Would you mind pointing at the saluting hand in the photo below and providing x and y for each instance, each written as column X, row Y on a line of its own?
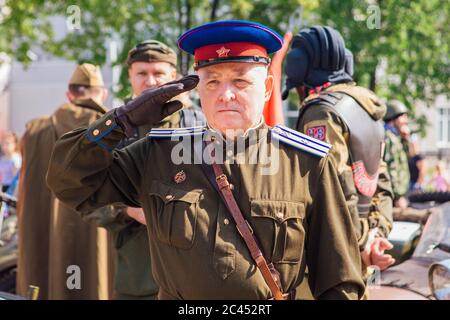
column 152, row 105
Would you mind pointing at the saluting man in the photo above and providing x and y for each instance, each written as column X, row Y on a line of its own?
column 220, row 229
column 151, row 63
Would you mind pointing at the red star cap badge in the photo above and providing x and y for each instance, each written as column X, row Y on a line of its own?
column 222, row 52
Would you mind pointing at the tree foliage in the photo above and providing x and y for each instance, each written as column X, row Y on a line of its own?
column 406, row 57
column 400, row 46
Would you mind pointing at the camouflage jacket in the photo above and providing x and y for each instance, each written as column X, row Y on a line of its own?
column 396, row 158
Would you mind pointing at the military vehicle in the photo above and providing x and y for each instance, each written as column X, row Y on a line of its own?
column 426, row 274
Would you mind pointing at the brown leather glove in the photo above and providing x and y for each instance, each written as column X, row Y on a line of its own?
column 152, row 106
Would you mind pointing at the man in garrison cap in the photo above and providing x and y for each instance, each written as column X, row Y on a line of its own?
column 235, row 209
column 151, row 63
column 66, row 257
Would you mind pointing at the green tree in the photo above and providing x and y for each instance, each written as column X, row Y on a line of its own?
column 406, row 55
column 26, row 25
column 400, row 46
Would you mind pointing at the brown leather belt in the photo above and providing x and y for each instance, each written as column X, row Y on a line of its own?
column 163, row 295
column 268, row 271
column 287, row 296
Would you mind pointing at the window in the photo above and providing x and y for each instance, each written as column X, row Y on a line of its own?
column 291, row 110
column 290, row 115
column 443, row 127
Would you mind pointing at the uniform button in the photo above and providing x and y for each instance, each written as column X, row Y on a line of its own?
column 108, row 122
column 230, row 153
column 280, row 215
column 231, row 186
column 226, row 221
column 96, row 132
column 169, row 197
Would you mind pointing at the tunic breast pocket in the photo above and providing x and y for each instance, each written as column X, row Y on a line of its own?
column 174, row 217
column 278, row 225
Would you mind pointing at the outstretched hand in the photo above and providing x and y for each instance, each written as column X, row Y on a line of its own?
column 374, row 254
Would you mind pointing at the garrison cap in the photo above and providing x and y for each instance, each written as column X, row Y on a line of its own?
column 230, row 41
column 152, row 51
column 88, row 75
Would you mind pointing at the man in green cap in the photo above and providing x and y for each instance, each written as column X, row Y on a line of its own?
column 64, row 256
column 234, row 210
column 396, row 151
column 150, row 64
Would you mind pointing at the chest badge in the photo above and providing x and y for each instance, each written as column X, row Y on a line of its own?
column 180, row 177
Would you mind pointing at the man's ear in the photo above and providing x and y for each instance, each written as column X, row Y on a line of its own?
column 105, row 95
column 174, row 74
column 301, row 91
column 269, row 87
column 70, row 96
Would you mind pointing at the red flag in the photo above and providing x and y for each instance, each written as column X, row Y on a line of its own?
column 273, row 110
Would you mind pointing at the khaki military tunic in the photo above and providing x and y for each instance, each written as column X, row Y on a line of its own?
column 54, row 242
column 337, row 134
column 133, row 277
column 298, row 214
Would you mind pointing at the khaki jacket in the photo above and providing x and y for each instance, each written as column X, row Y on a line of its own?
column 52, row 236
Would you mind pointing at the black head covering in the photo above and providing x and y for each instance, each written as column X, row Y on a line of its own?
column 317, row 55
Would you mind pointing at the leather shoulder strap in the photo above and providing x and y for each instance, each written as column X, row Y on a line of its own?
column 326, row 98
column 270, row 275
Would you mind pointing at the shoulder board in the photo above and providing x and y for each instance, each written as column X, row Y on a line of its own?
column 175, row 132
column 300, row 141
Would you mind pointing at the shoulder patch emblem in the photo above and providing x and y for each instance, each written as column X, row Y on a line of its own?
column 300, row 141
column 364, row 182
column 175, row 132
column 319, row 132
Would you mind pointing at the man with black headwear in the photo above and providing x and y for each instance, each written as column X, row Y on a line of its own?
column 336, row 110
